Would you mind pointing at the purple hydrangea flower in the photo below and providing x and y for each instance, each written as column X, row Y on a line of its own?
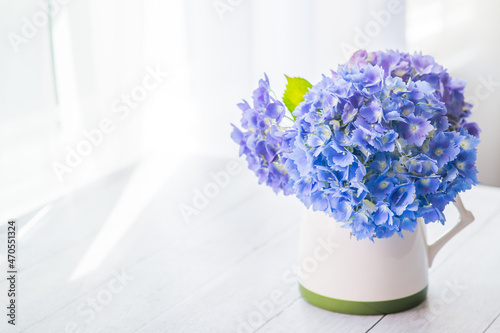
column 415, row 130
column 423, row 67
column 263, row 140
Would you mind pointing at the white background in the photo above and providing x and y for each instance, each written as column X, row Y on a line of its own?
column 65, row 79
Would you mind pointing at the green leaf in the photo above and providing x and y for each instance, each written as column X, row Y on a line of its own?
column 295, row 90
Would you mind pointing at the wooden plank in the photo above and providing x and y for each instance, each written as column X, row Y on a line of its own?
column 303, row 317
column 72, row 218
column 81, row 214
column 183, row 259
column 494, row 326
column 247, row 296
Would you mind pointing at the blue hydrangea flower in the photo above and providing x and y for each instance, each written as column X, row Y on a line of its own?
column 383, row 215
column 430, row 213
column 427, row 185
column 442, row 148
column 402, row 196
column 381, row 142
column 465, row 164
column 381, row 187
column 386, row 142
column 421, row 165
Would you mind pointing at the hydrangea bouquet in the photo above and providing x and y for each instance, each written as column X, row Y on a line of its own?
column 377, row 144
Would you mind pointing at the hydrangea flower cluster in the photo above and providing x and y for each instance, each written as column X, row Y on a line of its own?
column 423, row 67
column 262, row 140
column 380, row 143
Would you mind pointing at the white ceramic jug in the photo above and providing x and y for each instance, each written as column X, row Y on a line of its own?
column 342, row 274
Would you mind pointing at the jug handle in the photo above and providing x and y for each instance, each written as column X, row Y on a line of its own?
column 466, row 218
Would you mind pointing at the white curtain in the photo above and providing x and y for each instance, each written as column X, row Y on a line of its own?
column 463, row 36
column 28, row 120
column 76, row 71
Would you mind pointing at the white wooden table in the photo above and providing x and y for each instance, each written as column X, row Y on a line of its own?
column 118, row 256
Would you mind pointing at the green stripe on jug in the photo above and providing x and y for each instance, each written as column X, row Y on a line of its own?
column 363, row 308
